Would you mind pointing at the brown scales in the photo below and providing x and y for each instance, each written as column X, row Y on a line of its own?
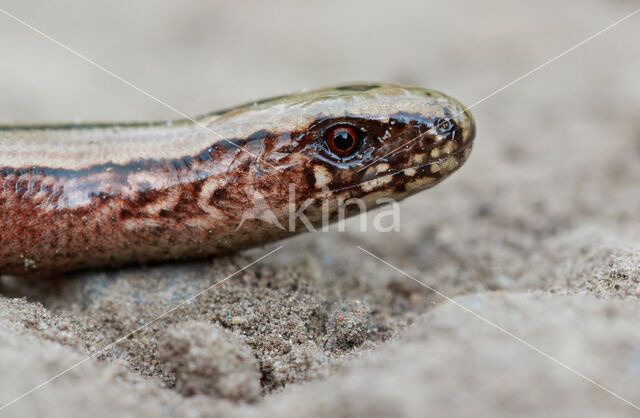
column 107, row 215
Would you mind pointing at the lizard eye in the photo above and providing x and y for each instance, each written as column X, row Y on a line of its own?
column 343, row 141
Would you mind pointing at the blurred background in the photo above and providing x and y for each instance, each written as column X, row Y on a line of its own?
column 547, row 203
column 200, row 55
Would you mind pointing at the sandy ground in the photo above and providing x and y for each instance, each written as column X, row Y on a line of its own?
column 539, row 233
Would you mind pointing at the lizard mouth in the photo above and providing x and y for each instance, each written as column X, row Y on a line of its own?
column 436, row 170
column 443, row 161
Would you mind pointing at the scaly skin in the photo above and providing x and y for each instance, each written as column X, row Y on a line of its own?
column 106, row 195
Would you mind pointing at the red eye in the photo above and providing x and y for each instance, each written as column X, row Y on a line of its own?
column 342, row 141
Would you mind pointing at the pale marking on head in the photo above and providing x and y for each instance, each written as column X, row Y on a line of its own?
column 382, row 167
column 435, row 153
column 448, row 147
column 410, row 172
column 322, row 176
column 375, row 183
column 450, row 164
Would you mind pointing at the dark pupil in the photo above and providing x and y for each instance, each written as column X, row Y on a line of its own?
column 342, row 140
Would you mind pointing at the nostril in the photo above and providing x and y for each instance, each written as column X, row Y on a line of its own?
column 444, row 125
